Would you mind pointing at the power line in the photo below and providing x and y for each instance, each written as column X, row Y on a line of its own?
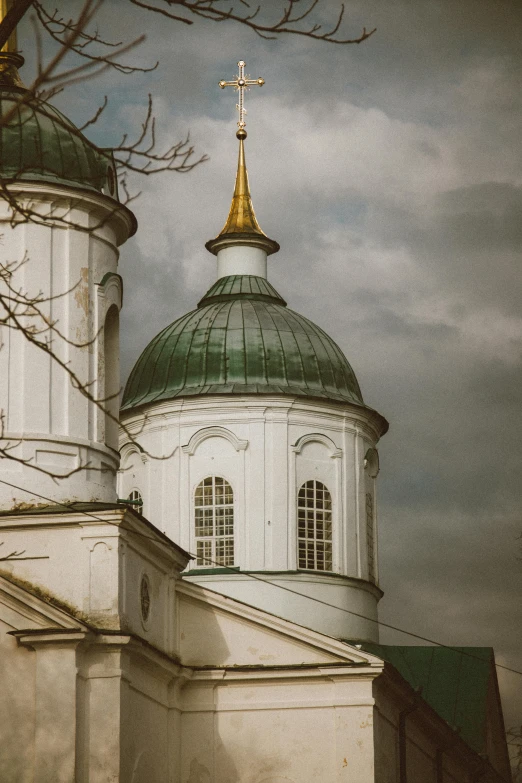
column 251, row 575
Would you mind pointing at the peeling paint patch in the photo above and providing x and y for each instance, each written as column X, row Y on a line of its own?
column 81, row 293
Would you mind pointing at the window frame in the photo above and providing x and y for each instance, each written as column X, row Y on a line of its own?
column 215, row 549
column 320, row 513
column 136, row 491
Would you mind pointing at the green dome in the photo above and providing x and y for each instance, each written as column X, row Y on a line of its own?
column 241, row 339
column 39, row 144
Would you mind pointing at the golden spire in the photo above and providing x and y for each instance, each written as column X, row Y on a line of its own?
column 10, row 60
column 241, row 217
column 12, row 43
column 242, row 227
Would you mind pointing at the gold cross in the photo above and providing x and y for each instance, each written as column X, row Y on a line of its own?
column 241, row 83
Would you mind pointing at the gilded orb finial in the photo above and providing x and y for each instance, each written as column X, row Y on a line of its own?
column 241, row 83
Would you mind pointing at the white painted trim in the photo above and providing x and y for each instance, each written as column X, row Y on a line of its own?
column 116, row 215
column 132, row 448
column 110, row 292
column 317, row 437
column 213, row 432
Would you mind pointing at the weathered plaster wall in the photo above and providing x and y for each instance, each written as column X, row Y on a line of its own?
column 271, row 727
column 17, row 704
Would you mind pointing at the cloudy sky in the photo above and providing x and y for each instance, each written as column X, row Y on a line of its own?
column 391, row 175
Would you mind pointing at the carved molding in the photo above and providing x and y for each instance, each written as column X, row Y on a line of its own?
column 110, row 289
column 213, row 432
column 132, row 448
column 317, row 437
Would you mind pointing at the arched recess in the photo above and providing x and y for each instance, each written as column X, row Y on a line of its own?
column 316, row 457
column 130, row 448
column 371, row 469
column 317, row 437
column 110, row 290
column 133, row 472
column 111, row 395
column 213, row 432
column 371, row 462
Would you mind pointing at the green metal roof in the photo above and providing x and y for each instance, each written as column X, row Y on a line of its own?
column 242, row 339
column 39, row 144
column 243, row 286
column 453, row 681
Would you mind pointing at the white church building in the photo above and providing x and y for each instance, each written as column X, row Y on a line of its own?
column 219, row 625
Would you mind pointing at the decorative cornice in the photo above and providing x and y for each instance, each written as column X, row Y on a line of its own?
column 72, row 197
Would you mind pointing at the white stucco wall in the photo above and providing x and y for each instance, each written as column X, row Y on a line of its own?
column 95, row 562
column 70, row 262
column 275, row 728
column 266, row 448
column 247, row 698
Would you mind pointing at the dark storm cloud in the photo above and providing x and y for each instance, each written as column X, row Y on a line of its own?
column 390, row 173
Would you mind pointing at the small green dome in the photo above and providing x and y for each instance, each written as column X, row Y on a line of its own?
column 241, row 339
column 39, row 144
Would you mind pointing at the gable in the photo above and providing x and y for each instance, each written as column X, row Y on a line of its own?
column 216, row 631
column 24, row 606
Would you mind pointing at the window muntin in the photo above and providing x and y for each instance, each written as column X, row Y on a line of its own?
column 137, row 499
column 314, row 527
column 370, row 543
column 214, row 522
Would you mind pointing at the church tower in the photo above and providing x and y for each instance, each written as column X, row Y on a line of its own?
column 270, row 452
column 60, row 227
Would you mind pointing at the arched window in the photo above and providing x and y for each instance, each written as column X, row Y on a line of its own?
column 111, row 336
column 136, row 499
column 369, row 536
column 214, row 522
column 314, row 527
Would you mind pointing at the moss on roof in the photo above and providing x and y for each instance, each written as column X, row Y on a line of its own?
column 49, row 598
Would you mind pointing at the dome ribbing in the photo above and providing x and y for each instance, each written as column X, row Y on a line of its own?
column 40, row 144
column 242, row 339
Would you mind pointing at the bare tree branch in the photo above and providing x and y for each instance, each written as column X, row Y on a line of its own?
column 25, row 312
column 216, row 11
